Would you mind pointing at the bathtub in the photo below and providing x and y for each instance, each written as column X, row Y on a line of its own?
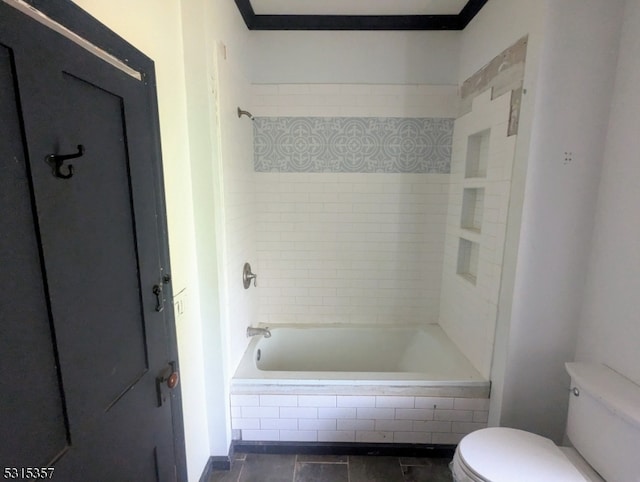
column 356, row 354
column 356, row 383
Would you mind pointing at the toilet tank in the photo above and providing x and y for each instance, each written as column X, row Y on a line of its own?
column 604, row 420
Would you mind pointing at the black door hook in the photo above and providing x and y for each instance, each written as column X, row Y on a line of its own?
column 56, row 161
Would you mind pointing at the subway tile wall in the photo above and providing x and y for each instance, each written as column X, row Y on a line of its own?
column 356, row 418
column 354, row 100
column 351, row 247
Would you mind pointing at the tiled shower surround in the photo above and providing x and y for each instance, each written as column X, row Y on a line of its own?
column 349, row 418
column 351, row 201
column 352, row 197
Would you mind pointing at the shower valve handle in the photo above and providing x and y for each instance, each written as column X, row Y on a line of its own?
column 247, row 276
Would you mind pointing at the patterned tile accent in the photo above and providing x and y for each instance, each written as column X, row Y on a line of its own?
column 352, row 144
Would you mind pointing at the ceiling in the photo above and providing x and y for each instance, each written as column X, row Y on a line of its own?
column 358, row 14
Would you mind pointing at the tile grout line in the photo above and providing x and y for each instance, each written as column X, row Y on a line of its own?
column 241, row 469
column 325, row 463
column 295, row 468
column 401, row 471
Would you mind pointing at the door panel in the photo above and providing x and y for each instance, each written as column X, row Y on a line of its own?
column 100, row 251
column 95, row 253
column 34, row 413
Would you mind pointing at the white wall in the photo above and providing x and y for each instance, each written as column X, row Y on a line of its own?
column 221, row 148
column 565, row 109
column 366, row 57
column 575, row 78
column 610, row 323
column 202, row 122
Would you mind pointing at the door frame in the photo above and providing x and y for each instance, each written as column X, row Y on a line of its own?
column 74, row 18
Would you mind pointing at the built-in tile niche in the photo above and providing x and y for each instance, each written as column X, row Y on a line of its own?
column 472, row 214
column 484, row 156
column 477, row 155
column 468, row 253
column 472, row 209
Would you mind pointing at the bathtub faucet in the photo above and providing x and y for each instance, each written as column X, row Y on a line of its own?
column 251, row 331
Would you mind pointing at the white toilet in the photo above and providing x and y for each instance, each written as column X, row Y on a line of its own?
column 603, row 427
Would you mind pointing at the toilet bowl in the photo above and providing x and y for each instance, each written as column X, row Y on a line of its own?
column 603, row 427
column 508, row 455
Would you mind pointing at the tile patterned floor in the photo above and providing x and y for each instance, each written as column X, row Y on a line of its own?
column 333, row 468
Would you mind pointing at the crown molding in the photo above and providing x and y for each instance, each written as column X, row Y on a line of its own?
column 359, row 22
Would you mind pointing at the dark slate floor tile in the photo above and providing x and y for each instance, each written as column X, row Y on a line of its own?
column 227, row 475
column 315, row 472
column 267, row 468
column 334, row 459
column 374, row 469
column 426, row 473
column 426, row 461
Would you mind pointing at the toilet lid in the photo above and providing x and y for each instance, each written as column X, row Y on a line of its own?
column 505, row 454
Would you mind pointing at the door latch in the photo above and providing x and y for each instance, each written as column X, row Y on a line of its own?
column 158, row 291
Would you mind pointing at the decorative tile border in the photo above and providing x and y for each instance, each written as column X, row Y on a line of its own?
column 352, row 144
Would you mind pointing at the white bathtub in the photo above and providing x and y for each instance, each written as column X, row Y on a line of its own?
column 356, row 354
column 356, row 384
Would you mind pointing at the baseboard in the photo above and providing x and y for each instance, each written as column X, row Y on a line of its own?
column 344, row 448
column 222, row 462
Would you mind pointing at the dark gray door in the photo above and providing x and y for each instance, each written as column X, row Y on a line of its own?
column 83, row 347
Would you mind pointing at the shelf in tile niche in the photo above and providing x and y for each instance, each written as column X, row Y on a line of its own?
column 472, row 209
column 477, row 155
column 468, row 253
